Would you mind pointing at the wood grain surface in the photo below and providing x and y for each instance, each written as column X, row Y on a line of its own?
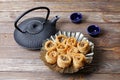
column 17, row 63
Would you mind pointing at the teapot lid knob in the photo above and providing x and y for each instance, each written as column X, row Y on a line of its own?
column 34, row 26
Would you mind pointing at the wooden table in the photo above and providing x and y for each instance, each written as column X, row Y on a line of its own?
column 17, row 63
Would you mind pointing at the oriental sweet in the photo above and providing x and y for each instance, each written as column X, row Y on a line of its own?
column 66, row 52
column 61, row 38
column 49, row 45
column 78, row 60
column 51, row 57
column 83, row 46
column 63, row 61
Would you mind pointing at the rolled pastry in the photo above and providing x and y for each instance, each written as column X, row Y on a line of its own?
column 61, row 48
column 70, row 41
column 72, row 50
column 51, row 57
column 83, row 46
column 49, row 45
column 61, row 38
column 63, row 61
column 78, row 60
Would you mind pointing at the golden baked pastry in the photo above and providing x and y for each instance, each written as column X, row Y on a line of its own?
column 78, row 60
column 83, row 46
column 61, row 38
column 51, row 57
column 61, row 48
column 66, row 52
column 72, row 50
column 70, row 41
column 63, row 61
column 49, row 45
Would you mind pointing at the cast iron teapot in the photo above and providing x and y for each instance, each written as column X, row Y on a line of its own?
column 32, row 32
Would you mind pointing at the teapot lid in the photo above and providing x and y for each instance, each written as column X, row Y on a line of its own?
column 29, row 33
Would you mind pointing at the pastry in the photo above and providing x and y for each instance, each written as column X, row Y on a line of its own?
column 49, row 45
column 61, row 48
column 61, row 38
column 51, row 57
column 83, row 46
column 70, row 41
column 72, row 50
column 78, row 60
column 66, row 51
column 63, row 61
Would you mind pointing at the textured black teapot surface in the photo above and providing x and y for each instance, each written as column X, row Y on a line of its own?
column 33, row 31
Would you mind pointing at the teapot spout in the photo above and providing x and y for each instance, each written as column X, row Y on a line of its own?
column 53, row 21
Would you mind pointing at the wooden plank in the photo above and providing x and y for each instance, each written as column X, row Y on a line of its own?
column 68, row 26
column 82, row 27
column 106, row 41
column 105, row 35
column 96, row 17
column 64, row 0
column 55, row 6
column 78, row 0
column 36, row 65
column 22, row 65
column 103, row 77
column 64, row 16
column 4, row 40
column 18, row 53
column 56, row 76
column 111, row 17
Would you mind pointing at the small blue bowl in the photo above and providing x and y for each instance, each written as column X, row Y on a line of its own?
column 93, row 30
column 76, row 17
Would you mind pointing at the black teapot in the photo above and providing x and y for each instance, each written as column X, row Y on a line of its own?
column 32, row 32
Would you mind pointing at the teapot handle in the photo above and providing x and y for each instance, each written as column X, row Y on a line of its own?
column 48, row 12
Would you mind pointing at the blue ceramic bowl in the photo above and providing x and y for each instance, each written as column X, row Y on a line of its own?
column 93, row 30
column 76, row 17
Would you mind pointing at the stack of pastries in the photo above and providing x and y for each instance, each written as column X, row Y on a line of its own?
column 66, row 51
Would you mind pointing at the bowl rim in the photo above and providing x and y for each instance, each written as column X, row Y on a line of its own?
column 96, row 26
column 74, row 13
